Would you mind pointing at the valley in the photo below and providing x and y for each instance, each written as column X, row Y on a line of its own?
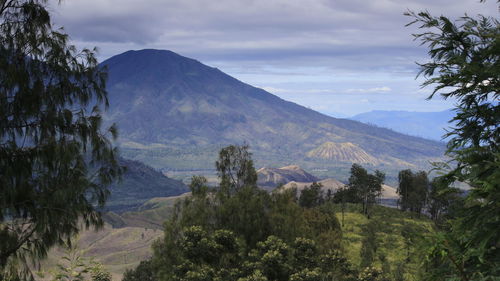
column 192, row 111
column 211, row 140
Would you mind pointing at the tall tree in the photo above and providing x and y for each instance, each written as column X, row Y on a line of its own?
column 364, row 186
column 235, row 168
column 311, row 196
column 464, row 65
column 405, row 178
column 421, row 187
column 413, row 189
column 442, row 199
column 55, row 160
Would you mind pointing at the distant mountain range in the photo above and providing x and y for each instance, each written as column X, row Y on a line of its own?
column 175, row 112
column 430, row 125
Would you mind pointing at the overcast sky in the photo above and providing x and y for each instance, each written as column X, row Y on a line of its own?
column 340, row 57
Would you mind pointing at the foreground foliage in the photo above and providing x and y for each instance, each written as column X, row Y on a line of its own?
column 465, row 65
column 75, row 267
column 237, row 231
column 248, row 234
column 55, row 161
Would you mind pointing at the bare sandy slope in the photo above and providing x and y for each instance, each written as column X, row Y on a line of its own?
column 116, row 248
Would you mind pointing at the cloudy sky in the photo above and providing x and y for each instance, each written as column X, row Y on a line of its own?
column 340, row 57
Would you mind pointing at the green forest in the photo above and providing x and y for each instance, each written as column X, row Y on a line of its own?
column 58, row 160
column 237, row 231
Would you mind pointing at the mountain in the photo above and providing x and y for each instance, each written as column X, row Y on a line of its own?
column 430, row 125
column 140, row 183
column 272, row 177
column 174, row 112
column 342, row 152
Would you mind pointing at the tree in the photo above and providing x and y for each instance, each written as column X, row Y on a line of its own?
column 235, row 168
column 442, row 200
column 421, row 187
column 413, row 189
column 464, row 65
column 342, row 196
column 143, row 272
column 311, row 196
column 405, row 178
column 55, row 160
column 75, row 267
column 198, row 186
column 365, row 187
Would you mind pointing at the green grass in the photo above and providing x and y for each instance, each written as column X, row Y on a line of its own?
column 390, row 242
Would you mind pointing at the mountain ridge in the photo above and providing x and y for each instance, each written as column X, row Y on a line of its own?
column 159, row 98
column 429, row 125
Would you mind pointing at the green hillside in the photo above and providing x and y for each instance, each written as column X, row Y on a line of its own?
column 393, row 248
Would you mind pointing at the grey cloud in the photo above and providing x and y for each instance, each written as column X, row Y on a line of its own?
column 264, row 40
column 253, row 29
column 254, row 20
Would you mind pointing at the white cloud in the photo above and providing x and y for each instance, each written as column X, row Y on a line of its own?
column 383, row 89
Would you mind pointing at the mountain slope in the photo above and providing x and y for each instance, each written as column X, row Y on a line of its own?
column 173, row 112
column 343, row 152
column 431, row 125
column 139, row 184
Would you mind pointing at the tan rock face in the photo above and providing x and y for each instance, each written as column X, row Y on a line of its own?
column 327, row 184
column 276, row 176
column 342, row 152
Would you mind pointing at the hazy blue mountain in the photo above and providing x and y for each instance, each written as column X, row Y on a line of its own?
column 175, row 112
column 430, row 125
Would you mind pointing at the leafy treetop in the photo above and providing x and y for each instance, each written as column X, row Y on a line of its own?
column 55, row 160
